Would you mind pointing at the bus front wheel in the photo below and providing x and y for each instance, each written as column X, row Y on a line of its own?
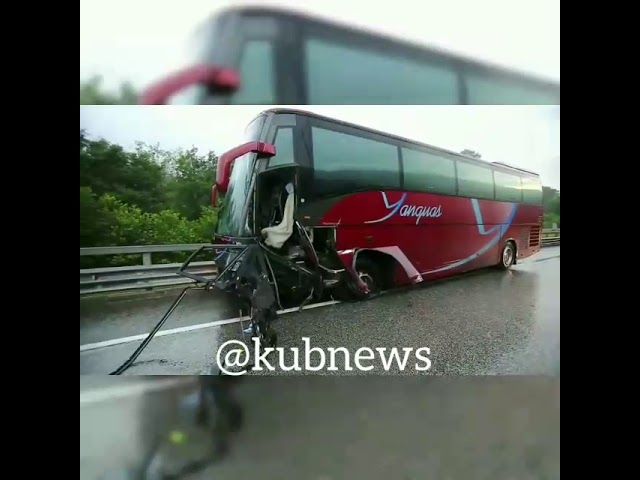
column 507, row 256
column 370, row 273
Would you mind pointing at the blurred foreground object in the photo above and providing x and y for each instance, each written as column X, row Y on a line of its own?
column 201, row 436
column 495, row 427
column 153, row 427
column 271, row 56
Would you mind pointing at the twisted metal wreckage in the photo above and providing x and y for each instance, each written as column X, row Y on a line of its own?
column 246, row 272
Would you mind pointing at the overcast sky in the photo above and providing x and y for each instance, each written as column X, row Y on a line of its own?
column 139, row 40
column 523, row 136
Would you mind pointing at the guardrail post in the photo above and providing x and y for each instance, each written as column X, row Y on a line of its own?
column 146, row 258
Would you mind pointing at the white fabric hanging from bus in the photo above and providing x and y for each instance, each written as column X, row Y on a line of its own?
column 278, row 234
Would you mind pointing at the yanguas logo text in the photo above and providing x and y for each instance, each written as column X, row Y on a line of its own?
column 409, row 210
column 420, row 211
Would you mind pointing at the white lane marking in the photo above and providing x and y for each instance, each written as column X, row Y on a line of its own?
column 189, row 328
column 133, row 389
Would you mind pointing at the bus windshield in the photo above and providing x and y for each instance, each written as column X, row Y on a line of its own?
column 231, row 220
column 233, row 212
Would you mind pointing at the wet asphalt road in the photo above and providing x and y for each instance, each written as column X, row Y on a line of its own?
column 326, row 428
column 485, row 322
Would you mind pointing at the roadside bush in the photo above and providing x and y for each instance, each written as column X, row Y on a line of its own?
column 106, row 221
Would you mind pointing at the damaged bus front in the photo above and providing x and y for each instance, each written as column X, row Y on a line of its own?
column 264, row 256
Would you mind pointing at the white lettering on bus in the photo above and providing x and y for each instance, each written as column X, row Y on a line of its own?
column 420, row 211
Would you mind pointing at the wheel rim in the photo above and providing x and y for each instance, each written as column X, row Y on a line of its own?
column 507, row 256
column 368, row 280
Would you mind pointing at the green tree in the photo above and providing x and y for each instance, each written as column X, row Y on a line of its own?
column 548, row 194
column 92, row 93
column 191, row 178
column 146, row 196
column 133, row 177
column 551, row 206
column 554, row 205
column 95, row 220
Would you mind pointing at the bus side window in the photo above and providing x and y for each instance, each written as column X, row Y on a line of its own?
column 484, row 90
column 508, row 187
column 257, row 74
column 531, row 190
column 284, row 148
column 428, row 172
column 345, row 163
column 475, row 181
column 342, row 74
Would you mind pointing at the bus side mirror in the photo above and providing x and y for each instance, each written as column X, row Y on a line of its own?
column 219, row 80
column 264, row 150
column 227, row 159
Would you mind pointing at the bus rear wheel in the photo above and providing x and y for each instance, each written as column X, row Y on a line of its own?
column 507, row 256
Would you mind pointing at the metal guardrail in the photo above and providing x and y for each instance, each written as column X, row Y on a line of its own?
column 550, row 237
column 145, row 276
column 145, row 250
column 150, row 275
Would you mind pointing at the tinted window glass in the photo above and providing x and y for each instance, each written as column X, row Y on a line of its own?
column 475, row 181
column 531, row 190
column 340, row 74
column 346, row 163
column 253, row 131
column 231, row 218
column 284, row 148
column 256, row 74
column 508, row 188
column 490, row 91
column 428, row 172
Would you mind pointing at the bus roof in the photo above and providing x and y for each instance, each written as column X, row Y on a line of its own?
column 374, row 36
column 495, row 165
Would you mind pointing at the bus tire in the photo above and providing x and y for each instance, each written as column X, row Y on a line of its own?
column 370, row 273
column 507, row 256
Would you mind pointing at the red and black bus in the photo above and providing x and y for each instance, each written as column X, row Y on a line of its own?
column 266, row 56
column 357, row 211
